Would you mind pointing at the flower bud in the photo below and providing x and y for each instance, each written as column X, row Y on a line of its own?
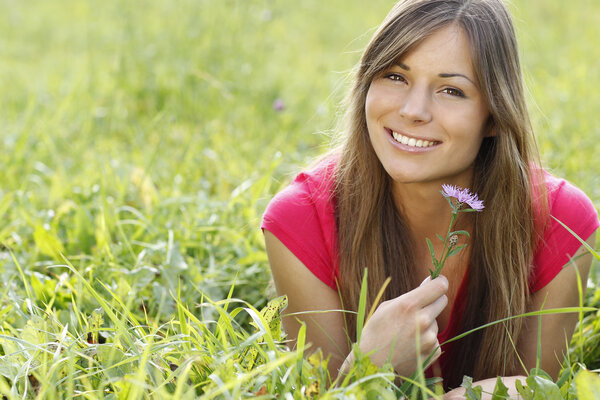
column 453, row 241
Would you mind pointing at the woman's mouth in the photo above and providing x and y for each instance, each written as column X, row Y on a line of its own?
column 412, row 142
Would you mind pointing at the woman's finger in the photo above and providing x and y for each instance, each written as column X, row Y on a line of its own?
column 435, row 350
column 434, row 309
column 427, row 293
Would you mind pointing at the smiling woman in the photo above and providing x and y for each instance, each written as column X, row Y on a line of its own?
column 437, row 99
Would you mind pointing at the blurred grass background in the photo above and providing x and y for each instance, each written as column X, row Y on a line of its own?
column 175, row 87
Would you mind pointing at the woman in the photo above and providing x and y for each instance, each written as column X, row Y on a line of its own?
column 437, row 99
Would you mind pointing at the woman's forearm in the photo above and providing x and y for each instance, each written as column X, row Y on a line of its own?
column 488, row 386
column 346, row 365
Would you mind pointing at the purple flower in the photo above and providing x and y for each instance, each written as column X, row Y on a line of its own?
column 463, row 196
column 278, row 105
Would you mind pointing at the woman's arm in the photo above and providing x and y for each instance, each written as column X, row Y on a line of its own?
column 306, row 292
column 556, row 329
column 389, row 335
column 487, row 388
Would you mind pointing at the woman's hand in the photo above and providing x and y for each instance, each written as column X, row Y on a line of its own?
column 391, row 333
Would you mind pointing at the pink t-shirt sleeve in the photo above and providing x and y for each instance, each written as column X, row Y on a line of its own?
column 301, row 216
column 572, row 207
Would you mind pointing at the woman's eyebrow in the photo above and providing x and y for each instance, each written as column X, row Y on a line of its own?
column 441, row 75
column 452, row 75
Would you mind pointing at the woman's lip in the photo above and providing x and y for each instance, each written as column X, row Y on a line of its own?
column 412, row 149
column 411, row 136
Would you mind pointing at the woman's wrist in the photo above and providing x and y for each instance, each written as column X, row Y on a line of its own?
column 347, row 364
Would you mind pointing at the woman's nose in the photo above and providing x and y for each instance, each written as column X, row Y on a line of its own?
column 415, row 106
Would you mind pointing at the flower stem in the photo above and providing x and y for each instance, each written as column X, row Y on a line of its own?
column 446, row 249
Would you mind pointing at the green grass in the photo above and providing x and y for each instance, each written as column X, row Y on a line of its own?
column 139, row 140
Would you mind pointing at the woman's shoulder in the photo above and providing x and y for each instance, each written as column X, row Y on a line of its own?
column 567, row 200
column 306, row 206
column 321, row 175
column 313, row 187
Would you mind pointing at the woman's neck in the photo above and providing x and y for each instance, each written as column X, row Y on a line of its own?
column 425, row 210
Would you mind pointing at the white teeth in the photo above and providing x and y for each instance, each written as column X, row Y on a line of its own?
column 412, row 142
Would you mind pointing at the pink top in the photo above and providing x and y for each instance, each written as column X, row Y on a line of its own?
column 302, row 217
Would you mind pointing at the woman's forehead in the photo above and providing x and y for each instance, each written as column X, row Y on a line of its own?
column 445, row 48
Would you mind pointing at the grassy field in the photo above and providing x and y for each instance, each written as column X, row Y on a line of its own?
column 142, row 140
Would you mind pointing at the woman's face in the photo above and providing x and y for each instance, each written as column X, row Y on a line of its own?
column 426, row 114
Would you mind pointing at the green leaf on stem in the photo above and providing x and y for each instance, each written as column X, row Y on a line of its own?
column 500, row 390
column 543, row 388
column 587, row 384
column 471, row 393
column 460, row 233
column 456, row 249
column 431, row 250
column 540, row 372
column 524, row 391
column 564, row 376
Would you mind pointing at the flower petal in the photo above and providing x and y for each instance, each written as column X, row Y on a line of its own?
column 463, row 196
column 450, row 191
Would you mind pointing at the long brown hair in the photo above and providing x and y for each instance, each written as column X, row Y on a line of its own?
column 373, row 233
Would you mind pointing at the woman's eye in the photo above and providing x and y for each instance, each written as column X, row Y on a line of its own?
column 396, row 77
column 454, row 92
